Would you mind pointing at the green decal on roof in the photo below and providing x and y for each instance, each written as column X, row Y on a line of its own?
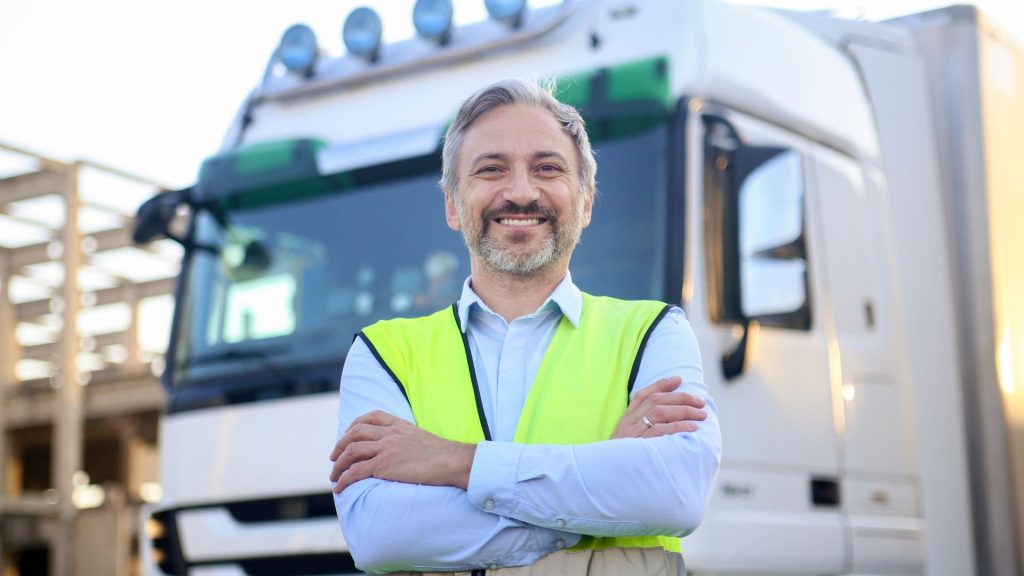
column 268, row 156
column 573, row 90
column 619, row 100
column 642, row 80
column 263, row 174
column 638, row 81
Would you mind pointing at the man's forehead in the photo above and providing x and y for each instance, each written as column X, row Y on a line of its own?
column 511, row 126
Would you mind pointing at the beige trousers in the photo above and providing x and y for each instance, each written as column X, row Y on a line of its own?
column 610, row 562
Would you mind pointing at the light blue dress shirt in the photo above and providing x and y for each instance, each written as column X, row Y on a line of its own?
column 525, row 502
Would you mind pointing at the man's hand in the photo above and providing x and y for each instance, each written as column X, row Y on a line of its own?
column 379, row 445
column 667, row 412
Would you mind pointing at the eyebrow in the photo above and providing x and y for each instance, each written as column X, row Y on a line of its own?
column 504, row 157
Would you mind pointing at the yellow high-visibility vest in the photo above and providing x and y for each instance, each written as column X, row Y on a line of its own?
column 580, row 393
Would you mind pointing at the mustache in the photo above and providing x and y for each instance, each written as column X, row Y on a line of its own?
column 512, row 209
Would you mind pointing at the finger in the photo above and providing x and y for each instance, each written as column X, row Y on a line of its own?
column 670, row 399
column 664, row 385
column 652, row 402
column 630, row 425
column 376, row 418
column 667, row 428
column 338, row 448
column 678, row 399
column 366, row 432
column 641, row 402
column 691, row 400
column 662, row 414
column 357, row 432
column 353, row 454
column 357, row 472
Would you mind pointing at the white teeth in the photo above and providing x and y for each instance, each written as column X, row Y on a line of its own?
column 519, row 222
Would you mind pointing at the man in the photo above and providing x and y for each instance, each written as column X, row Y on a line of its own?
column 524, row 457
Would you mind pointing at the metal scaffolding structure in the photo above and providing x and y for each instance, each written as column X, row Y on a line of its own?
column 79, row 393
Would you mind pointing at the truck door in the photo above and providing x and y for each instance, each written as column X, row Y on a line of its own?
column 880, row 478
column 755, row 299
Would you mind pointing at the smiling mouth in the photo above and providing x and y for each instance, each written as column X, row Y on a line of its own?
column 505, row 221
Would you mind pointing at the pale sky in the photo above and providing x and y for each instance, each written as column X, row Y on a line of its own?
column 150, row 87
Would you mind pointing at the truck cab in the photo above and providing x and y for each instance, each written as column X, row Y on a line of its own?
column 747, row 172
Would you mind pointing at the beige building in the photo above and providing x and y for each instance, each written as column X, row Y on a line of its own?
column 84, row 319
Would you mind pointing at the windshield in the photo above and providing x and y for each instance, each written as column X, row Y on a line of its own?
column 291, row 283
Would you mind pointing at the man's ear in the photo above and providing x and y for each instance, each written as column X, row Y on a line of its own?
column 451, row 212
column 588, row 207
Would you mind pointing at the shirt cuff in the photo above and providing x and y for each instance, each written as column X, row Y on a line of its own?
column 492, row 480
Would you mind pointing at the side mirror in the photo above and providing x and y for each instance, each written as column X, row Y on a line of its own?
column 153, row 219
column 755, row 236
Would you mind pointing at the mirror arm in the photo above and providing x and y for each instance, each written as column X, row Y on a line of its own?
column 734, row 362
column 189, row 246
column 155, row 214
column 792, row 250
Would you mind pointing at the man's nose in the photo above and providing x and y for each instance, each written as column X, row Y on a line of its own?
column 521, row 189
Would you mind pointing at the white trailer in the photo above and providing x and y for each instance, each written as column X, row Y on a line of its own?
column 833, row 203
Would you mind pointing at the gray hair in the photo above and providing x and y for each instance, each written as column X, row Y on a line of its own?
column 508, row 92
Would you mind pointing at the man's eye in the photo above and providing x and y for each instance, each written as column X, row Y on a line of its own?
column 550, row 168
column 489, row 170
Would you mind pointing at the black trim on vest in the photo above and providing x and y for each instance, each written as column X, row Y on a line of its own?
column 472, row 374
column 383, row 365
column 640, row 352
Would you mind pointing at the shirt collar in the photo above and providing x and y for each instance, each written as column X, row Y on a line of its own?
column 566, row 297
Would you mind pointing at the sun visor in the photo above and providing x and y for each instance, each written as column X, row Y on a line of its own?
column 346, row 157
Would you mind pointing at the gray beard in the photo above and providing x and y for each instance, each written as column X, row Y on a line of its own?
column 497, row 257
column 564, row 238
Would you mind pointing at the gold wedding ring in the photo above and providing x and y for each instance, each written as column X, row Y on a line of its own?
column 647, row 422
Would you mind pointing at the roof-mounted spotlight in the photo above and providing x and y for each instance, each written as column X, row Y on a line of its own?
column 433, row 19
column 362, row 33
column 298, row 50
column 508, row 12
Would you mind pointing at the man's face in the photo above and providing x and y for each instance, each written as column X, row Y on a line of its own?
column 520, row 205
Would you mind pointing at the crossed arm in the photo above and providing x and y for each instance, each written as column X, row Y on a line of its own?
column 410, row 500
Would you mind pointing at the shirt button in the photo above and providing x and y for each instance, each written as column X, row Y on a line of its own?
column 559, row 544
column 560, row 523
column 489, row 504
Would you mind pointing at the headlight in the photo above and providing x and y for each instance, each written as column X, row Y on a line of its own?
column 362, row 33
column 298, row 49
column 508, row 12
column 433, row 19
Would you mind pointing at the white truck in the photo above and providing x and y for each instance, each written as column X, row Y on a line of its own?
column 835, row 204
